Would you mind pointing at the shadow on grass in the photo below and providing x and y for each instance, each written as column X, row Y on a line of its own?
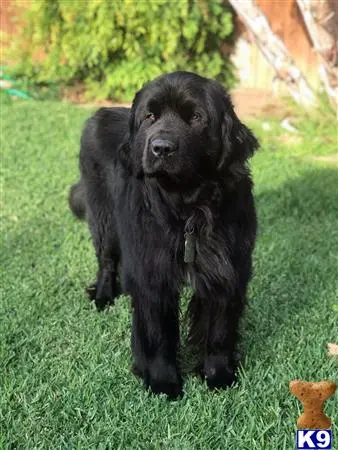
column 295, row 258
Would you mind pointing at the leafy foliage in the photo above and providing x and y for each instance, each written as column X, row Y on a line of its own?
column 115, row 46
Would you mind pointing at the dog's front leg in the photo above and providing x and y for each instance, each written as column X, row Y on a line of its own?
column 216, row 315
column 155, row 337
column 220, row 362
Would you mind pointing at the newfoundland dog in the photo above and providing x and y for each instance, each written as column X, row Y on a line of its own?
column 167, row 194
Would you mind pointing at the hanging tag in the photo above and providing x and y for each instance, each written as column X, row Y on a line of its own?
column 189, row 247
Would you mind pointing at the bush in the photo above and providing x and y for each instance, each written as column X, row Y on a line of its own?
column 114, row 46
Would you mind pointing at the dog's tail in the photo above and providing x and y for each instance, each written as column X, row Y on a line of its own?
column 77, row 200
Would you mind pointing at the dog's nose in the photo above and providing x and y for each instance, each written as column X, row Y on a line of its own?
column 162, row 147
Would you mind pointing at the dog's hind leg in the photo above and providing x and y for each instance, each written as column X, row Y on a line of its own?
column 102, row 226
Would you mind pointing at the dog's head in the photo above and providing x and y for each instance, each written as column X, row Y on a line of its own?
column 183, row 127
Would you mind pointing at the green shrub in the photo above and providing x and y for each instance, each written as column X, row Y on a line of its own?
column 114, row 46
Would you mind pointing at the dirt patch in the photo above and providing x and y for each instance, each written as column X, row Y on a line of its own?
column 290, row 139
column 248, row 103
column 332, row 159
column 252, row 103
column 104, row 103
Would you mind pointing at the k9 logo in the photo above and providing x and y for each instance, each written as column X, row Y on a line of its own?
column 314, row 439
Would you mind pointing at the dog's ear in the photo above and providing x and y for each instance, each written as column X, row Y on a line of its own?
column 130, row 156
column 238, row 142
column 244, row 141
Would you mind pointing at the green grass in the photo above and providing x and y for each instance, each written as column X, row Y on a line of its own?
column 65, row 379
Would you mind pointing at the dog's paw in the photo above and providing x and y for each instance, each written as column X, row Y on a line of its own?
column 172, row 389
column 136, row 370
column 219, row 374
column 164, row 378
column 102, row 294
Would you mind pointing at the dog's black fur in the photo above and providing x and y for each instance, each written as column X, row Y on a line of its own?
column 173, row 164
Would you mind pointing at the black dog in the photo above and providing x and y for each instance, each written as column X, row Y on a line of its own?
column 166, row 192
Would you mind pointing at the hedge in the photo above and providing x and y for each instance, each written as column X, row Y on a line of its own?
column 113, row 47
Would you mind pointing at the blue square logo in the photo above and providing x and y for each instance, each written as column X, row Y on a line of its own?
column 314, row 439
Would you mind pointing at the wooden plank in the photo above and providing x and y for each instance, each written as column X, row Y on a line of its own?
column 274, row 50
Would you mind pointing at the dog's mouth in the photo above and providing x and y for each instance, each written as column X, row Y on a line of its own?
column 159, row 166
column 173, row 182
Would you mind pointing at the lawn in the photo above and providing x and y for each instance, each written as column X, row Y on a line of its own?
column 65, row 380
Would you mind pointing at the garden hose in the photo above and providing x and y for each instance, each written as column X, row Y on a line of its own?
column 10, row 90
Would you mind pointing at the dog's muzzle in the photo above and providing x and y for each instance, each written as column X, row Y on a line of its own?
column 162, row 148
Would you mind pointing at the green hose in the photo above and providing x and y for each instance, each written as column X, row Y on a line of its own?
column 17, row 93
column 12, row 91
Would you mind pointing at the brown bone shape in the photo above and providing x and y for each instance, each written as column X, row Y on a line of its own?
column 313, row 395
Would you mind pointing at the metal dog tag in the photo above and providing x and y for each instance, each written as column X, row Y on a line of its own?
column 189, row 247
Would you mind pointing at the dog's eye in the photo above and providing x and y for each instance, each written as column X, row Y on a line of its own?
column 151, row 116
column 196, row 116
